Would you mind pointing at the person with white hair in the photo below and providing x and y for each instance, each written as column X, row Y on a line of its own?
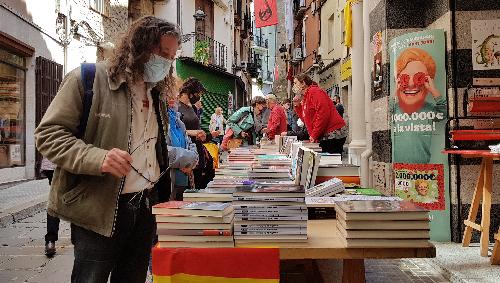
column 216, row 126
column 277, row 119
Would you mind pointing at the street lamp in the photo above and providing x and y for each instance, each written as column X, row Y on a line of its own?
column 284, row 56
column 199, row 17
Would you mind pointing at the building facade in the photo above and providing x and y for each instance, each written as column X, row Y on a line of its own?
column 40, row 41
column 264, row 42
column 216, row 39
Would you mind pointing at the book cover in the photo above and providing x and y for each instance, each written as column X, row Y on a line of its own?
column 174, row 238
column 268, row 217
column 384, row 224
column 379, row 206
column 259, row 188
column 193, row 208
column 210, row 226
column 194, row 219
column 194, row 232
column 267, row 198
column 168, row 244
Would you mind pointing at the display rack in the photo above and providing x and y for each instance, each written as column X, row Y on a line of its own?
column 481, row 114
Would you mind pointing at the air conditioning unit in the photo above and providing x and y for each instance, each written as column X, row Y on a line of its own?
column 297, row 54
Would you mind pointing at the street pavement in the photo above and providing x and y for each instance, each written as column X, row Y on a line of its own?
column 22, row 243
column 22, row 258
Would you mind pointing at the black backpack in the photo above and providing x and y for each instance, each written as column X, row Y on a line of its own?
column 87, row 71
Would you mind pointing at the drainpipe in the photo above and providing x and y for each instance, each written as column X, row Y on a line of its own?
column 356, row 105
column 366, row 171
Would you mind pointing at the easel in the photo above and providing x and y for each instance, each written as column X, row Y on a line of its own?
column 482, row 194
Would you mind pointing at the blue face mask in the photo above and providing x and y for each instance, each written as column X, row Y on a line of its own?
column 156, row 69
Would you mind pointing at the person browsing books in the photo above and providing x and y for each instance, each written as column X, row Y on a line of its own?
column 241, row 123
column 277, row 119
column 320, row 116
column 104, row 177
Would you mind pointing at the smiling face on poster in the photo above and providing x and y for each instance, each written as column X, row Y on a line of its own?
column 418, row 96
column 418, row 106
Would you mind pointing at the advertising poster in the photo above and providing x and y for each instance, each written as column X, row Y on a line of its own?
column 418, row 106
column 485, row 44
column 377, row 63
column 422, row 184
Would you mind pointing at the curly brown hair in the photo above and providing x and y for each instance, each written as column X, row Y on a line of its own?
column 137, row 45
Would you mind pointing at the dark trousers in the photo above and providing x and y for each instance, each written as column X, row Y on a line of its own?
column 52, row 222
column 125, row 255
column 332, row 145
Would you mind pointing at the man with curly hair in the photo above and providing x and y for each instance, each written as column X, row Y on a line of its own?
column 105, row 176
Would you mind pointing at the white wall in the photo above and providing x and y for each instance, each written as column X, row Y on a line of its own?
column 223, row 31
column 167, row 10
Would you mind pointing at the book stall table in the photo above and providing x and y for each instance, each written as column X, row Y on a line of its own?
column 324, row 243
column 482, row 193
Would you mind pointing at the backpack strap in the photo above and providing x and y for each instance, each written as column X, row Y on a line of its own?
column 88, row 75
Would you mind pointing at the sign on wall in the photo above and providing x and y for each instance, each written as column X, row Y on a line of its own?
column 485, row 44
column 418, row 106
column 346, row 69
column 422, row 184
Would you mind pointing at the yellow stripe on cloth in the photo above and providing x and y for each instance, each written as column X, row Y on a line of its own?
column 188, row 278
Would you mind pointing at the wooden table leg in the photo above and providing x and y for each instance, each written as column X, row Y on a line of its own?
column 485, row 218
column 474, row 207
column 353, row 271
column 495, row 255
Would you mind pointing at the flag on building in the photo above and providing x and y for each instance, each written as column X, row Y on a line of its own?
column 266, row 13
column 225, row 265
column 348, row 23
column 276, row 73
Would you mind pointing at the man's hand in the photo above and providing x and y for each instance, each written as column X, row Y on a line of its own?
column 284, row 134
column 265, row 130
column 186, row 170
column 312, row 140
column 244, row 134
column 117, row 162
column 215, row 134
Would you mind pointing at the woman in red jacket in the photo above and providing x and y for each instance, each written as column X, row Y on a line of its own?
column 320, row 116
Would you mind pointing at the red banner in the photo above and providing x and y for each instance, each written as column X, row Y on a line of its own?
column 266, row 13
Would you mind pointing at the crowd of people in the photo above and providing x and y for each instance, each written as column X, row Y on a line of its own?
column 143, row 143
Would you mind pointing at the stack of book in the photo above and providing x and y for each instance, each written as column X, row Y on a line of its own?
column 312, row 146
column 382, row 223
column 209, row 195
column 194, row 224
column 270, row 213
column 326, row 189
column 306, row 166
column 330, row 159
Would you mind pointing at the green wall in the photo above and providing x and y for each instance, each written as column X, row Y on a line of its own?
column 218, row 86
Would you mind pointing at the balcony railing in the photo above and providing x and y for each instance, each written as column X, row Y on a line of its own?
column 204, row 50
column 299, row 8
column 260, row 42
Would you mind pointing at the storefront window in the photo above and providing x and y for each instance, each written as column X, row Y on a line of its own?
column 12, row 94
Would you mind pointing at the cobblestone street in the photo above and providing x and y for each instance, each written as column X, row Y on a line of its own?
column 22, row 258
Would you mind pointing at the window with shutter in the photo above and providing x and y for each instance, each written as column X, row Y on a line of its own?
column 48, row 78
